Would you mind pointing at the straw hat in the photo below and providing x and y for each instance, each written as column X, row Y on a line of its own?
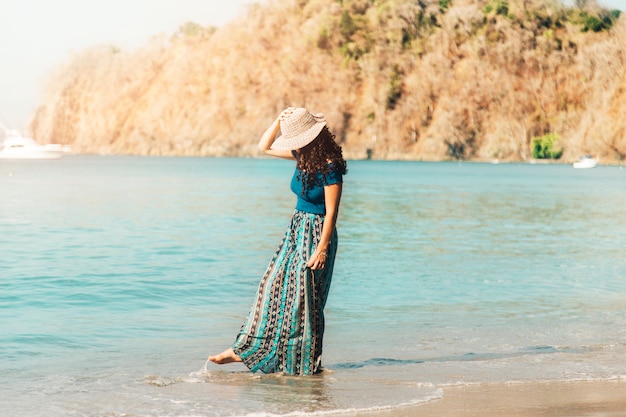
column 298, row 130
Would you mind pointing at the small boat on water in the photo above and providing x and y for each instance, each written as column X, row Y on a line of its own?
column 16, row 146
column 586, row 161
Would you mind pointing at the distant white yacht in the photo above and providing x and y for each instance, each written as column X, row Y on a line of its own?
column 17, row 146
column 586, row 161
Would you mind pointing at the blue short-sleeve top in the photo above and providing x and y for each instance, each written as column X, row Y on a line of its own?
column 313, row 201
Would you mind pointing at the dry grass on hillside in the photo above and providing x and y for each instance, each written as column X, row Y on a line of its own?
column 407, row 79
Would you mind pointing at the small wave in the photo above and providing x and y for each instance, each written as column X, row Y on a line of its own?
column 327, row 394
column 377, row 362
column 437, row 395
column 466, row 357
column 159, row 381
column 201, row 376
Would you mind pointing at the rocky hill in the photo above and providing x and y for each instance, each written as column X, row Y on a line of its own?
column 396, row 79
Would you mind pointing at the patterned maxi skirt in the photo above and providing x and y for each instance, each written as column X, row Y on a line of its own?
column 285, row 327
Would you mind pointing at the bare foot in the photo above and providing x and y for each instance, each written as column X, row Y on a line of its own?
column 227, row 356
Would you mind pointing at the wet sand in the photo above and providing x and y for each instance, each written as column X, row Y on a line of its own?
column 539, row 399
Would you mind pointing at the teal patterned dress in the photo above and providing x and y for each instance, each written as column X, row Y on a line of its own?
column 285, row 328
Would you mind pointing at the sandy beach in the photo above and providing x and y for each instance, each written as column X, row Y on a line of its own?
column 537, row 399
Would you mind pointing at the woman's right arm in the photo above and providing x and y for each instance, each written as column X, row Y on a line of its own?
column 269, row 137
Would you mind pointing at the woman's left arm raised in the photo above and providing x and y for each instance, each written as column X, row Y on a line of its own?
column 269, row 136
column 332, row 196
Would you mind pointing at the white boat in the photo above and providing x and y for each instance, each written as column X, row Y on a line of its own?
column 586, row 162
column 16, row 146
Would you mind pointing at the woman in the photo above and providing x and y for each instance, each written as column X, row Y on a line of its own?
column 285, row 327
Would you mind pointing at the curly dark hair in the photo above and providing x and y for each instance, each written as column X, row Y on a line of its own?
column 322, row 155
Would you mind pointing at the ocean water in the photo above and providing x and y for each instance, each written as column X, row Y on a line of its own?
column 119, row 275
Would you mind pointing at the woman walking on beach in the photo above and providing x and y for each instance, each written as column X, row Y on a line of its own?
column 285, row 327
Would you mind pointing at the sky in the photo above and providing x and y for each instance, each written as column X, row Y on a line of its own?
column 38, row 35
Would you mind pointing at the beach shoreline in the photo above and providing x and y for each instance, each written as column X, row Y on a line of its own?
column 520, row 399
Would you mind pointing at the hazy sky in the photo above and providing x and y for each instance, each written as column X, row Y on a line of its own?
column 38, row 35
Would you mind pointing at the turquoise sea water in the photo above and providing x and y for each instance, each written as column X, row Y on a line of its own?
column 119, row 275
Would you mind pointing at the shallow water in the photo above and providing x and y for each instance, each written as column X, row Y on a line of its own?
column 119, row 275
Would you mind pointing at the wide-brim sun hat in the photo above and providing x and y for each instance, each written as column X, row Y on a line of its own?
column 298, row 130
